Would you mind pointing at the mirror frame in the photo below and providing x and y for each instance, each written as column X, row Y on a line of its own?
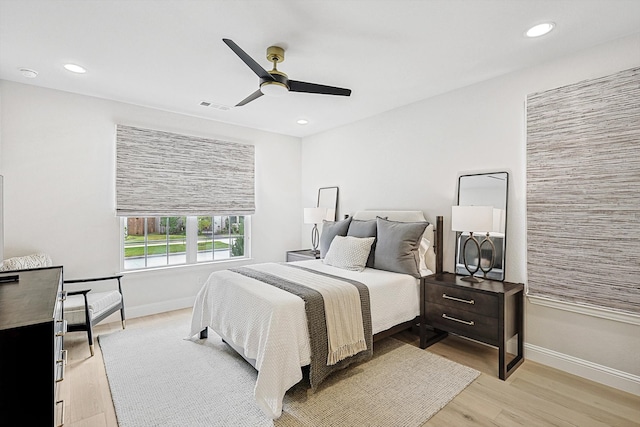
column 501, row 247
column 328, row 198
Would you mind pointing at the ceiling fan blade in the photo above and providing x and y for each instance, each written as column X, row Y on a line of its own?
column 261, row 72
column 255, row 95
column 296, row 86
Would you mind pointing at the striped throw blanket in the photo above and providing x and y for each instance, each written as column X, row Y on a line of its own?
column 338, row 314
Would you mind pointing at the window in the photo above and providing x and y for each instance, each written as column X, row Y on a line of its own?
column 162, row 241
column 166, row 182
column 220, row 237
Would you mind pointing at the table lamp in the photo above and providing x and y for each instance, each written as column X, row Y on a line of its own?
column 474, row 219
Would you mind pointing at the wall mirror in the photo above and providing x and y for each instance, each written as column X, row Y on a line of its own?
column 328, row 198
column 485, row 189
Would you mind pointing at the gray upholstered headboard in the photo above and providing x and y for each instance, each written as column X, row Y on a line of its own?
column 408, row 216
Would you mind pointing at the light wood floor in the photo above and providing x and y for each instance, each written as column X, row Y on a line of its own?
column 534, row 395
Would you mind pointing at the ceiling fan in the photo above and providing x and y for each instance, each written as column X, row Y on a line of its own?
column 276, row 82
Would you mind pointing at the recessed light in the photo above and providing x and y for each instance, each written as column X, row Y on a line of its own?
column 28, row 73
column 75, row 68
column 302, row 121
column 540, row 29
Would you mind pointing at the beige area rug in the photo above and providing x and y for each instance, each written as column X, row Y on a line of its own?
column 158, row 378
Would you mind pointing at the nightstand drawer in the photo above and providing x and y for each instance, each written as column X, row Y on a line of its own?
column 462, row 299
column 468, row 323
column 302, row 255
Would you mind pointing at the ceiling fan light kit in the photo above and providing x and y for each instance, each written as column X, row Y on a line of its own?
column 275, row 82
column 273, row 89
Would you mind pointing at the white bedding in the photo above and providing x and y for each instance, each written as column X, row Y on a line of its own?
column 269, row 325
column 394, row 297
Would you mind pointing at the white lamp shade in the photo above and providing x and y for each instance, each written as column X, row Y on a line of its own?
column 314, row 215
column 472, row 218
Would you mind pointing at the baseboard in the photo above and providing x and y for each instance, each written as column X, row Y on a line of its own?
column 160, row 307
column 583, row 368
column 149, row 309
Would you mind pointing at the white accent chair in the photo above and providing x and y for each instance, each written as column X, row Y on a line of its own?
column 83, row 309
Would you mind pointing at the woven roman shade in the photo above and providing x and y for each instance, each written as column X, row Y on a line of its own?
column 166, row 174
column 583, row 193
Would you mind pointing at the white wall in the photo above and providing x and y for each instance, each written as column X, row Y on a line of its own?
column 58, row 162
column 411, row 157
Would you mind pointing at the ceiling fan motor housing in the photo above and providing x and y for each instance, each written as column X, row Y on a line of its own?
column 279, row 79
column 275, row 54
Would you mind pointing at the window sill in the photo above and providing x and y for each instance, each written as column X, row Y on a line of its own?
column 602, row 313
column 224, row 264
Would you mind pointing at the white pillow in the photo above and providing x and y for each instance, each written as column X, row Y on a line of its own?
column 25, row 262
column 422, row 251
column 348, row 252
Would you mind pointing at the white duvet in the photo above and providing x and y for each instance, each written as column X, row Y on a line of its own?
column 269, row 325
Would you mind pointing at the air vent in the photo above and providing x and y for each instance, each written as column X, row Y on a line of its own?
column 214, row 105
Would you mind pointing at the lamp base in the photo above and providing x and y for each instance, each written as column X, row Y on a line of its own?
column 315, row 238
column 472, row 279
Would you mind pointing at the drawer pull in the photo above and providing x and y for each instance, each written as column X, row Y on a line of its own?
column 468, row 301
column 61, row 403
column 470, row 322
column 63, row 357
column 62, row 329
column 60, row 363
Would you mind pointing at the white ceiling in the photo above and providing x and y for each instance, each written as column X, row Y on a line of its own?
column 169, row 54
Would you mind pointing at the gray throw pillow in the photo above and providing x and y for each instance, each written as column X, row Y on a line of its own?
column 331, row 229
column 359, row 228
column 397, row 247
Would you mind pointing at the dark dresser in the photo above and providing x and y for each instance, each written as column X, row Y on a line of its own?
column 31, row 346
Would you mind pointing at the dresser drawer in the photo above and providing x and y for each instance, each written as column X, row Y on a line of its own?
column 463, row 322
column 462, row 299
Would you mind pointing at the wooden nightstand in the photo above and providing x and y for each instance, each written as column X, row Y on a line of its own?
column 302, row 254
column 490, row 312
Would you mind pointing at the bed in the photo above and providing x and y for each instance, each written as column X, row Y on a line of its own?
column 331, row 322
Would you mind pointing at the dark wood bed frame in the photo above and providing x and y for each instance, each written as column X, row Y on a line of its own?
column 427, row 334
column 419, row 324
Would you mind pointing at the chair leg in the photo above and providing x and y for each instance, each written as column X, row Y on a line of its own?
column 90, row 336
column 123, row 318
